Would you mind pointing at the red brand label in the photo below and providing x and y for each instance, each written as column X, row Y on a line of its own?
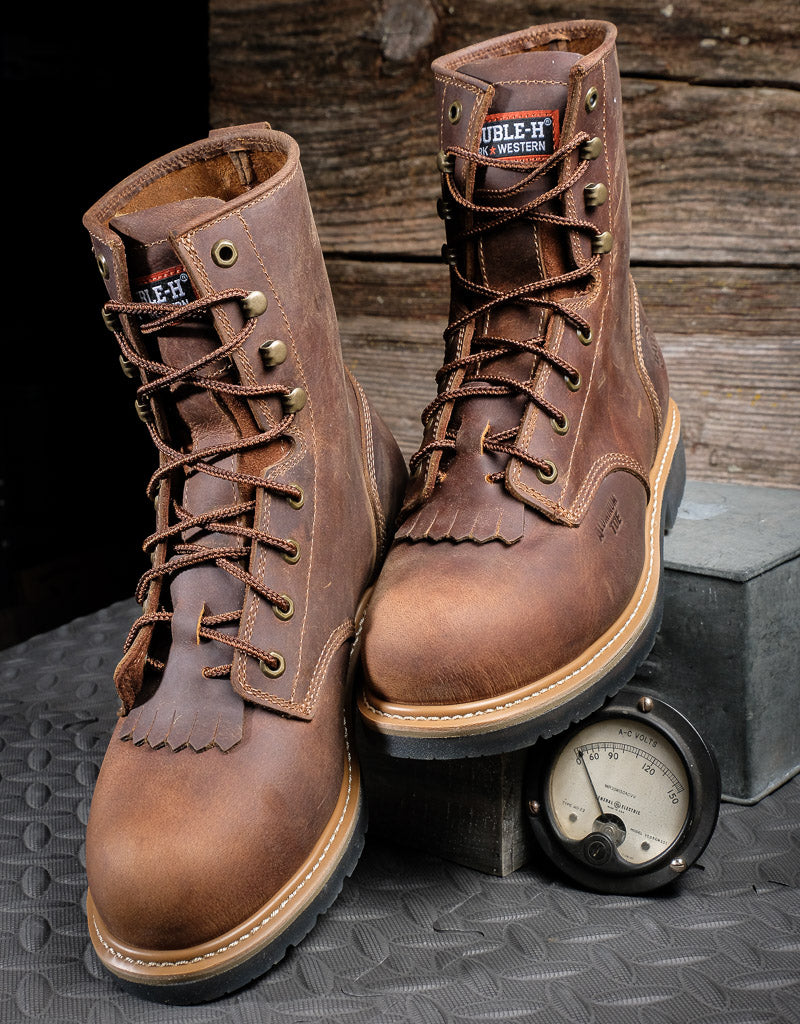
column 520, row 135
column 164, row 286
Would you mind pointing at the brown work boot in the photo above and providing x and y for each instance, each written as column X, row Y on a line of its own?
column 228, row 809
column 524, row 583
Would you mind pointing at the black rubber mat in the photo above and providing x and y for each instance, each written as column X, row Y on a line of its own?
column 412, row 938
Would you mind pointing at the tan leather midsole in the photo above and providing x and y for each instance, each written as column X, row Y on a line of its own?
column 163, row 967
column 567, row 682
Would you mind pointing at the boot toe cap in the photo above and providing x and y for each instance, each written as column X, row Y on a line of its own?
column 175, row 859
column 452, row 623
column 437, row 629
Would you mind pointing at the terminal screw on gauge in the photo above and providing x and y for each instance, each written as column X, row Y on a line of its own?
column 626, row 800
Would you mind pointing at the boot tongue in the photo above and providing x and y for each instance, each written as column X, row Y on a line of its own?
column 156, row 274
column 186, row 709
column 196, row 420
column 523, row 126
column 157, row 277
column 525, row 120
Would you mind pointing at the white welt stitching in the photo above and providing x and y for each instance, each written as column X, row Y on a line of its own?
column 256, row 928
column 655, row 515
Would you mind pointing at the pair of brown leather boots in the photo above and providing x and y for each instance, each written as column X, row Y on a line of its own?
column 502, row 591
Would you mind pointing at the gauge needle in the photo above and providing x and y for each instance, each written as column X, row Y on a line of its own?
column 589, row 777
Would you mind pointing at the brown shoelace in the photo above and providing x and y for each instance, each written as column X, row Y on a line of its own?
column 487, row 348
column 226, row 520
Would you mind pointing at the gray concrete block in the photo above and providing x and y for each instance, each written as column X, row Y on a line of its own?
column 728, row 653
column 468, row 811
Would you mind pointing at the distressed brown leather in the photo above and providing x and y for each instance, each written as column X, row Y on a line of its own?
column 497, row 579
column 218, row 780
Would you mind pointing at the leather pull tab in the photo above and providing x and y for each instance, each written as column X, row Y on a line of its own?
column 255, row 126
column 239, row 151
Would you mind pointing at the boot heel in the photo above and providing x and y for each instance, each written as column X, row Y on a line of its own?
column 673, row 492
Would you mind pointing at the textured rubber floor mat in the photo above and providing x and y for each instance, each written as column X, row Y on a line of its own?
column 411, row 939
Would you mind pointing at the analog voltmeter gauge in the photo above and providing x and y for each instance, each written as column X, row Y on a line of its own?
column 626, row 800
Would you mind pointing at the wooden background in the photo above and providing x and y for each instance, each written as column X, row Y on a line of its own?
column 712, row 124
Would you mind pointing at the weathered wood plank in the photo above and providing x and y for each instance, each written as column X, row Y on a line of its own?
column 708, row 165
column 704, row 189
column 729, row 336
column 712, row 41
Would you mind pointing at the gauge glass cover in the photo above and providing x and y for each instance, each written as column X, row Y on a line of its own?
column 623, row 772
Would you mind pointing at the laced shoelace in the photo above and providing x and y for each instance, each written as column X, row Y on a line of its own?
column 224, row 520
column 487, row 348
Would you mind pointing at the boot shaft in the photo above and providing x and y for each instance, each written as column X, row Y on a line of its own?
column 533, row 119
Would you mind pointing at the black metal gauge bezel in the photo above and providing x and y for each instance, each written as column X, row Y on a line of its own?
column 702, row 772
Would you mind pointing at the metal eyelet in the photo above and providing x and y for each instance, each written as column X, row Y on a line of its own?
column 445, row 163
column 272, row 352
column 224, row 253
column 590, row 149
column 547, row 476
column 454, row 112
column 573, row 384
column 254, row 304
column 102, row 265
column 585, row 338
column 280, row 613
column 602, row 243
column 294, row 401
column 110, row 319
column 273, row 673
column 592, row 96
column 143, row 411
column 449, row 255
column 295, row 558
column 128, row 368
column 560, row 427
column 297, row 502
column 444, row 209
column 595, row 195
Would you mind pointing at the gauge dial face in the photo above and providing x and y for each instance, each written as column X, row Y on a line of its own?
column 631, row 778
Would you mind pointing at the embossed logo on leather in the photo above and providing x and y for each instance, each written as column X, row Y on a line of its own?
column 611, row 519
column 520, row 135
column 171, row 285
